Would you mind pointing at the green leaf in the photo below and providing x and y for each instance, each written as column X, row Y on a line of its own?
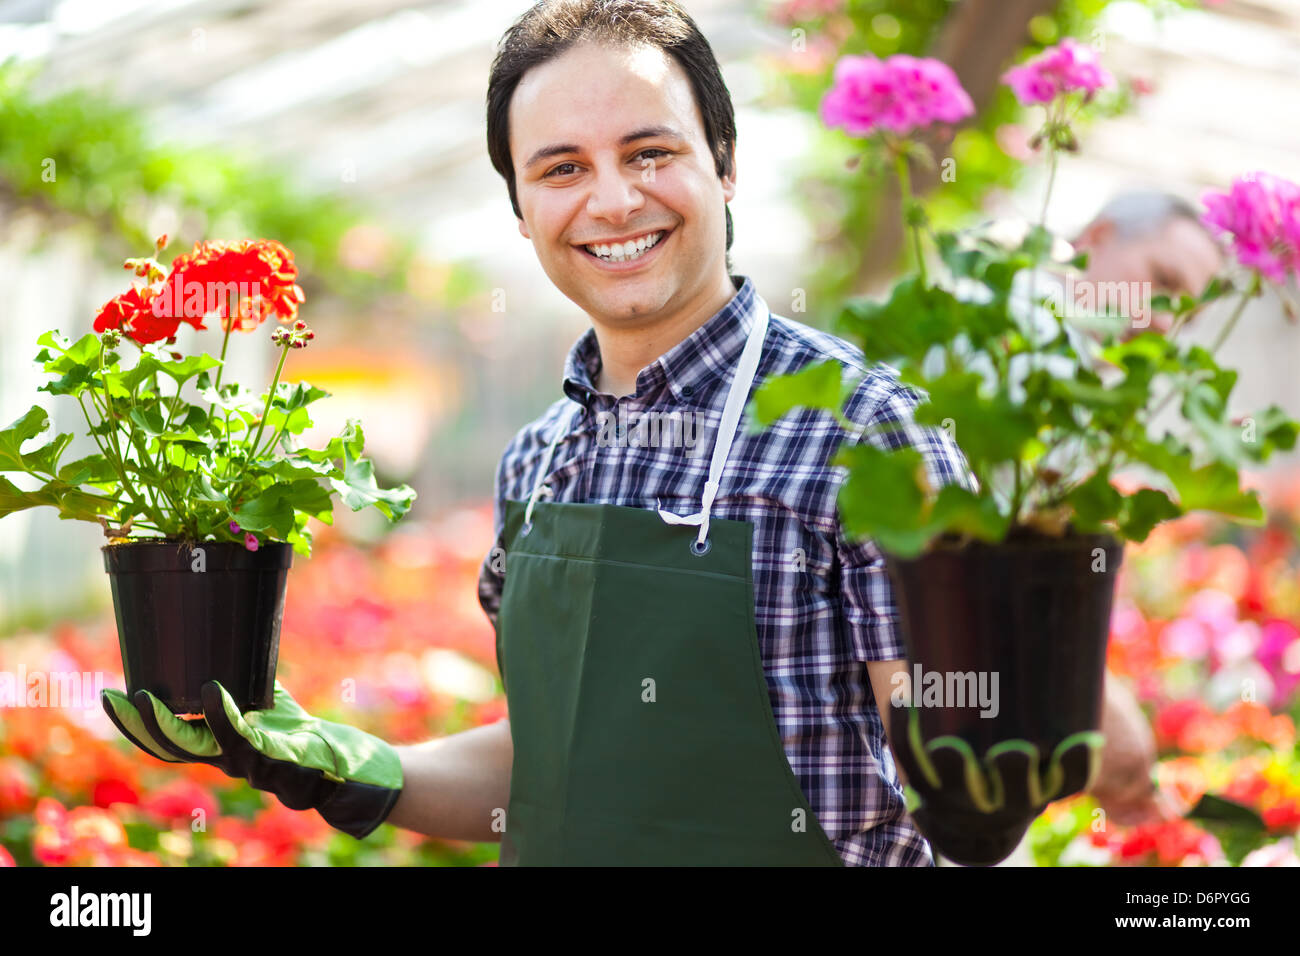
column 297, row 467
column 1211, row 487
column 819, row 385
column 988, row 430
column 958, row 510
column 76, row 380
column 44, row 459
column 297, row 395
column 275, row 508
column 188, row 367
column 13, row 498
column 1143, row 510
column 297, row 420
column 148, row 420
column 350, row 442
column 882, row 497
column 358, row 489
column 903, row 328
column 1219, row 810
column 1094, row 501
column 178, row 456
column 82, row 352
column 145, row 368
column 71, row 502
column 91, row 470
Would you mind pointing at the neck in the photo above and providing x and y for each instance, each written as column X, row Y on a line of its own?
column 624, row 352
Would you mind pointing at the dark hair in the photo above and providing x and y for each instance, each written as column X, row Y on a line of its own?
column 550, row 27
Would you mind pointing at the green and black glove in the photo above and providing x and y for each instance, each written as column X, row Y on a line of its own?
column 351, row 778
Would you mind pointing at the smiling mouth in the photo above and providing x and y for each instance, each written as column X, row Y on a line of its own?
column 617, row 253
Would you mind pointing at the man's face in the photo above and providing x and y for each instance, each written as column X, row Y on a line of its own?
column 596, row 188
column 1179, row 257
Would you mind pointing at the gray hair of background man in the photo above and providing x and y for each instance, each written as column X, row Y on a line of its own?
column 1141, row 212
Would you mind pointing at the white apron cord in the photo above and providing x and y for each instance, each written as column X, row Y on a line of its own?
column 544, row 473
column 731, row 412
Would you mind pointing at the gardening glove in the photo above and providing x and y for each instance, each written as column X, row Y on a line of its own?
column 351, row 778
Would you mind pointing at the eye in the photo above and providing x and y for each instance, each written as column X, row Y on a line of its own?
column 1165, row 281
column 653, row 149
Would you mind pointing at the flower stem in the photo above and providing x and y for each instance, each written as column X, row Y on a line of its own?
column 266, row 410
column 1249, row 293
column 905, row 188
column 224, row 342
column 118, row 465
column 1051, row 181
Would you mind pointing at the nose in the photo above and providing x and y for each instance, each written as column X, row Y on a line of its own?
column 615, row 194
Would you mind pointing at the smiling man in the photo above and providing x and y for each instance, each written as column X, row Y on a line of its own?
column 691, row 649
column 695, row 658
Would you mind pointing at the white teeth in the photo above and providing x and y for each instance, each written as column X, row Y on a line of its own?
column 622, row 252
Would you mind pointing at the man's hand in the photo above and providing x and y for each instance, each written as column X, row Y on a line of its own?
column 884, row 683
column 1124, row 787
column 351, row 778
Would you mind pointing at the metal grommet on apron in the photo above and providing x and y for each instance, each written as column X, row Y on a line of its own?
column 639, row 711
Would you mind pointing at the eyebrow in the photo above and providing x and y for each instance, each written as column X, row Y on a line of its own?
column 646, row 132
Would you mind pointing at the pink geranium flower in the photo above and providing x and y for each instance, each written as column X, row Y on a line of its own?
column 1060, row 69
column 899, row 95
column 1260, row 213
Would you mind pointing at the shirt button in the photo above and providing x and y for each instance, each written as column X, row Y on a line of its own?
column 687, row 391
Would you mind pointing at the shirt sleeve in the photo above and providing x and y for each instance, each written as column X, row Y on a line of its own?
column 868, row 596
column 491, row 576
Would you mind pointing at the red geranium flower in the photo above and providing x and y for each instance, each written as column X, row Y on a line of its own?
column 258, row 275
column 113, row 790
column 133, row 312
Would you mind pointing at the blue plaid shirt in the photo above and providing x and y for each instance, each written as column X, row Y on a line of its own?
column 824, row 605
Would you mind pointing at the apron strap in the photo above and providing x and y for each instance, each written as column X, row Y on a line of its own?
column 561, row 428
column 731, row 412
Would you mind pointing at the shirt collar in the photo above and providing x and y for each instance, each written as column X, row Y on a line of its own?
column 710, row 352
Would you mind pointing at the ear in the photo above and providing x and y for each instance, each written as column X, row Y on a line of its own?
column 1096, row 233
column 523, row 229
column 729, row 182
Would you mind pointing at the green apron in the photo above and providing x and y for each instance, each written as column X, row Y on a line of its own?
column 642, row 725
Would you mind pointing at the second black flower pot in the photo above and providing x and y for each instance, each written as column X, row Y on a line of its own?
column 1006, row 647
column 187, row 614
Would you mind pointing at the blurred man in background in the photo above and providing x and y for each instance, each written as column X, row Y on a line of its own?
column 1149, row 240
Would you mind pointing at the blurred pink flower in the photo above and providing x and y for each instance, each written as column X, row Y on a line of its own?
column 1281, row 853
column 1236, row 643
column 1213, row 608
column 900, row 94
column 1279, row 653
column 250, row 541
column 1185, row 638
column 795, row 11
column 1260, row 213
column 1060, row 69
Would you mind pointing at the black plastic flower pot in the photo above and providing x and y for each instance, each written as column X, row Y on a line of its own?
column 189, row 614
column 1029, row 618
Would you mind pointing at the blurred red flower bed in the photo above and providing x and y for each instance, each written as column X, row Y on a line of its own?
column 1206, row 627
column 389, row 638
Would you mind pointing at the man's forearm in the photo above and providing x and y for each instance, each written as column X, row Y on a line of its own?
column 884, row 679
column 457, row 787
